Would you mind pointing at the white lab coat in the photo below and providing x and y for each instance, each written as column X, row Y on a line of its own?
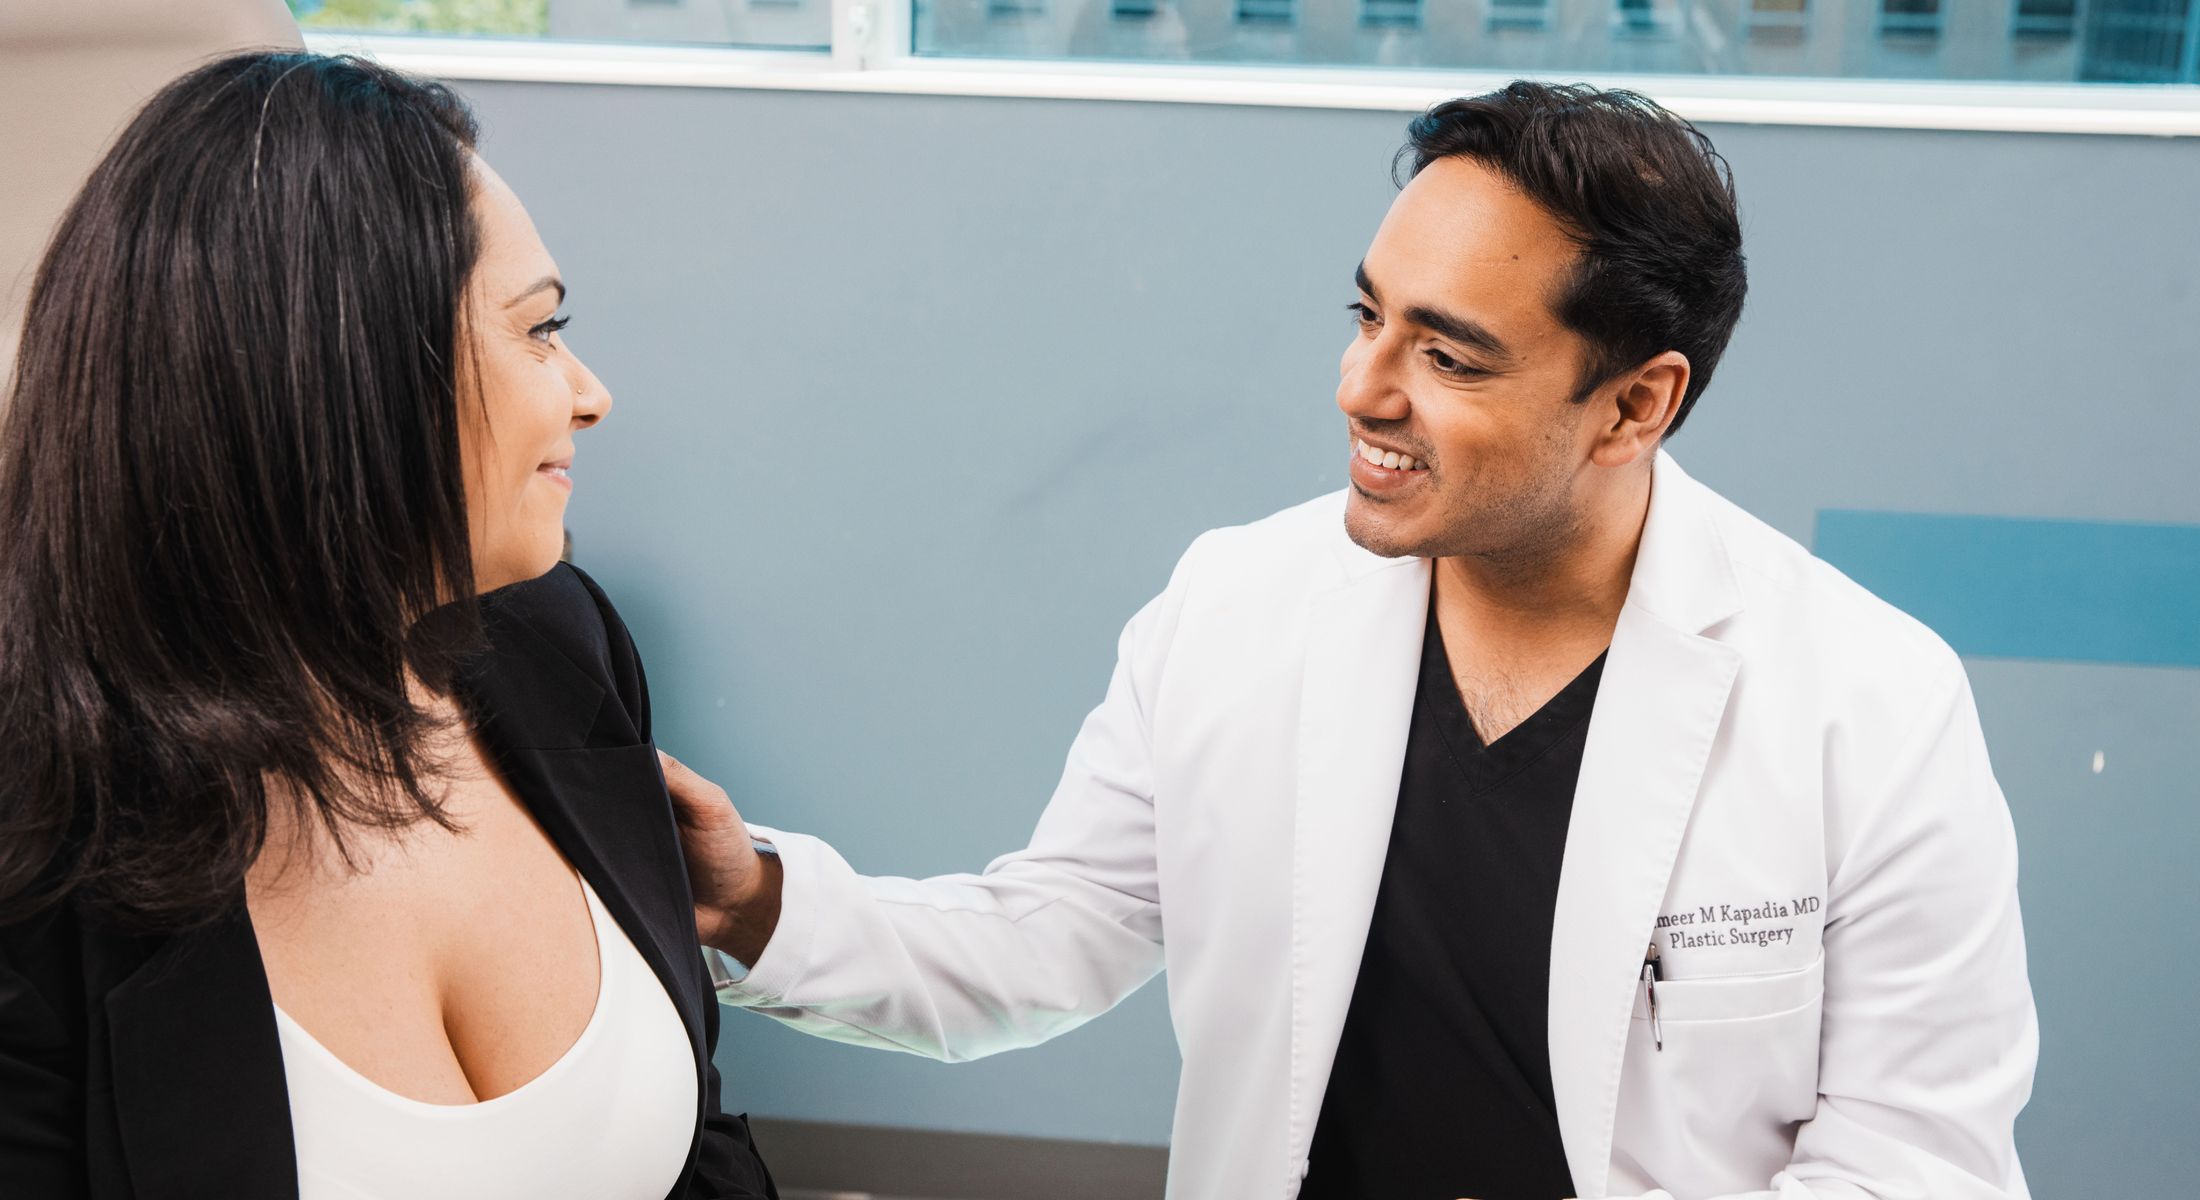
column 1784, row 784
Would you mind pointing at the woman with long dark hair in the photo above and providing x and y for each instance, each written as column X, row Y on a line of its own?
column 335, row 859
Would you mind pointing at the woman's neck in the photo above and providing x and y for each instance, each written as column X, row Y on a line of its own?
column 299, row 847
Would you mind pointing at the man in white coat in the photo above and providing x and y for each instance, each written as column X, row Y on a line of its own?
column 1525, row 821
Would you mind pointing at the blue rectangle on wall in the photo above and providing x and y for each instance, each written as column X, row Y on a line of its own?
column 2004, row 587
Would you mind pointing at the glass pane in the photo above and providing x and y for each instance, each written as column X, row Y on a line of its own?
column 2042, row 41
column 1909, row 18
column 2046, row 19
column 1784, row 20
column 777, row 24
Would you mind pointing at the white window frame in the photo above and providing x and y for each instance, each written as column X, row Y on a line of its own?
column 871, row 52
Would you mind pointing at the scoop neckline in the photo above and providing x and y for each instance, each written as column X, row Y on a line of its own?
column 599, row 918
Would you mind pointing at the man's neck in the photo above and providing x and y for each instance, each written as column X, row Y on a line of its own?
column 1573, row 591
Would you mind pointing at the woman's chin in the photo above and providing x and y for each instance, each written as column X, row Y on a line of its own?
column 506, row 570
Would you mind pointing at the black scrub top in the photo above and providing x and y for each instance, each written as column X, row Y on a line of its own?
column 1442, row 1083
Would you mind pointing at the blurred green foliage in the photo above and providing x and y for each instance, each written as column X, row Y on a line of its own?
column 520, row 18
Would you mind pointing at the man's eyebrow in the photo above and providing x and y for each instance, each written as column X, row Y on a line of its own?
column 1471, row 334
column 547, row 281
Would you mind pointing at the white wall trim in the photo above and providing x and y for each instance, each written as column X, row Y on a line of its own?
column 2164, row 111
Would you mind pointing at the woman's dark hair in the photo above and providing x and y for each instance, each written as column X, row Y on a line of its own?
column 230, row 487
column 1644, row 193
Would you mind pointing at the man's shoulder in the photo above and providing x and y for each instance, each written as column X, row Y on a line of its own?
column 1805, row 606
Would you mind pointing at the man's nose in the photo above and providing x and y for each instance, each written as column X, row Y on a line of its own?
column 1368, row 387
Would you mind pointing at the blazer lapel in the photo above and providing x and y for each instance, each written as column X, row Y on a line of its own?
column 604, row 806
column 1658, row 712
column 565, row 745
column 197, row 1070
column 1363, row 660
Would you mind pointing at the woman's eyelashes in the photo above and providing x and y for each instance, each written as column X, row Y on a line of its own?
column 543, row 331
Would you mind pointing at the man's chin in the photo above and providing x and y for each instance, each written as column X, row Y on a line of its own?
column 1373, row 530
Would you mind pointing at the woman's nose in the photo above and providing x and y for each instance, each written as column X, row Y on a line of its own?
column 591, row 400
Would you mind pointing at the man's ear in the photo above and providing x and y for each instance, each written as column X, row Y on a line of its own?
column 1643, row 405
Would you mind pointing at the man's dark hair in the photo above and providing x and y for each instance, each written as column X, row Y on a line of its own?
column 1644, row 193
column 231, row 488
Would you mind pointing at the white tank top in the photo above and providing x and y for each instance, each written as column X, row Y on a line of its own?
column 610, row 1120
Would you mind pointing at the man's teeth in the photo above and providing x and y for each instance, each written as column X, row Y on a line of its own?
column 1390, row 459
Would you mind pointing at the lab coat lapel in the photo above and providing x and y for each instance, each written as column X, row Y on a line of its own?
column 1363, row 660
column 1658, row 711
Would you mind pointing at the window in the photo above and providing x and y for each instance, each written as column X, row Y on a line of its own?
column 779, row 24
column 521, row 19
column 1266, row 12
column 1778, row 19
column 1392, row 14
column 2141, row 41
column 2040, row 41
column 1643, row 18
column 1909, row 18
column 2045, row 19
column 1520, row 14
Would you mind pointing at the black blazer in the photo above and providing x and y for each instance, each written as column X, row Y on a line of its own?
column 148, row 1067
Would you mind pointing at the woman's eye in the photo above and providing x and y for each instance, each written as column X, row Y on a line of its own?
column 543, row 331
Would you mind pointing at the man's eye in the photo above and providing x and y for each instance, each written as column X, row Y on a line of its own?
column 1452, row 366
column 1362, row 313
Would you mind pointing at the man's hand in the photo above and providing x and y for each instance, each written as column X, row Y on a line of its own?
column 736, row 889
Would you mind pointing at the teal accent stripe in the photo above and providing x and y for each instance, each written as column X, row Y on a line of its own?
column 2003, row 587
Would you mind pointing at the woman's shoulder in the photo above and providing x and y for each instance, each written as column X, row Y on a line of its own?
column 564, row 606
column 564, row 613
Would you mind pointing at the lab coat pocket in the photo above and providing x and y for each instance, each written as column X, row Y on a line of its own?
column 1714, row 1110
column 1735, row 997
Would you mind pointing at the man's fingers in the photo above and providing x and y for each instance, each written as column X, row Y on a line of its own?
column 698, row 798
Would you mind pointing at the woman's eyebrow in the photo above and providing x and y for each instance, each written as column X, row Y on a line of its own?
column 547, row 281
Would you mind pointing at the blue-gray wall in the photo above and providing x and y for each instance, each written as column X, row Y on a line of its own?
column 918, row 399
